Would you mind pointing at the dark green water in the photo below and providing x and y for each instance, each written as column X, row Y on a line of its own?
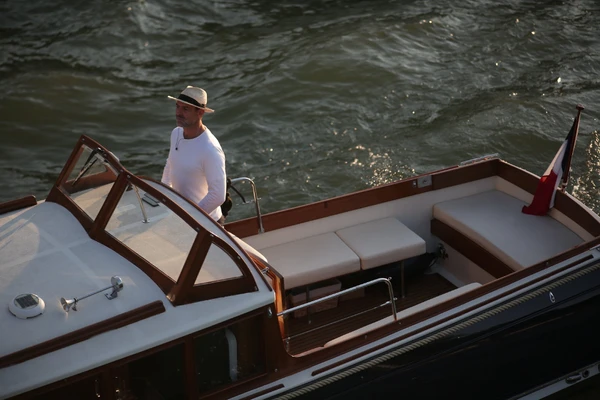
column 314, row 98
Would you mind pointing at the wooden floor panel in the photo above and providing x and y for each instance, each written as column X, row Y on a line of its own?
column 318, row 328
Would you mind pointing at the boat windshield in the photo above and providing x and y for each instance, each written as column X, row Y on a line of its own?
column 90, row 180
column 146, row 225
column 176, row 244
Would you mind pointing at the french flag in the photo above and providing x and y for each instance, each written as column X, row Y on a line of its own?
column 556, row 174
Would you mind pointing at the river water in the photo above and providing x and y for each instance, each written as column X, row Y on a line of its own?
column 313, row 99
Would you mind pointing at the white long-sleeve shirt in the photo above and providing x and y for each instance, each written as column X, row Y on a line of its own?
column 196, row 169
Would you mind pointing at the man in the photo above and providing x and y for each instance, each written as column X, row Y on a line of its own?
column 195, row 166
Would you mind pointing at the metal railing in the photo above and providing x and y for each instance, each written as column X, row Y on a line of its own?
column 391, row 302
column 257, row 206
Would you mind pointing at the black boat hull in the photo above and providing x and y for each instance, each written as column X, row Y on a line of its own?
column 526, row 342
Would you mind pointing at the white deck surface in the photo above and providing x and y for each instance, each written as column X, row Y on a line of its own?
column 44, row 250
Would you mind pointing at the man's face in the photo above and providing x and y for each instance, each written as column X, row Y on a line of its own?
column 187, row 115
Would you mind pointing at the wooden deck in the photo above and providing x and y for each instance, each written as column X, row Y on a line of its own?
column 316, row 329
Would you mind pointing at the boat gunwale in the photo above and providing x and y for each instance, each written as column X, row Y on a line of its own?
column 278, row 360
column 123, row 319
column 440, row 179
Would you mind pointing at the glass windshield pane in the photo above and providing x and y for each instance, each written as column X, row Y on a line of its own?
column 90, row 181
column 217, row 266
column 152, row 230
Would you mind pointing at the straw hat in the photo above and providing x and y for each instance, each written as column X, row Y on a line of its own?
column 194, row 96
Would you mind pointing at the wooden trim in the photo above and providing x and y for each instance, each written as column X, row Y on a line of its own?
column 470, row 249
column 108, row 207
column 213, row 289
column 68, row 167
column 263, row 392
column 223, row 288
column 61, row 198
column 96, row 230
column 275, row 356
column 91, row 181
column 17, row 204
column 237, row 260
column 445, row 306
column 190, row 369
column 279, row 288
column 329, row 207
column 464, row 174
column 225, row 246
column 36, row 393
column 452, row 303
column 191, row 267
column 563, row 202
column 368, row 197
column 108, row 383
column 71, row 161
column 124, row 319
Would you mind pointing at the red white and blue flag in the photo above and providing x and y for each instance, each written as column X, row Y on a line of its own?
column 556, row 175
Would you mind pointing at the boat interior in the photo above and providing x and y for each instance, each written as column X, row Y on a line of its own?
column 409, row 247
column 343, row 271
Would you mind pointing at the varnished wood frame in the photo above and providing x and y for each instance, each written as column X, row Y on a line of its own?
column 440, row 179
column 17, row 204
column 473, row 251
column 272, row 356
column 186, row 291
column 278, row 287
column 227, row 248
column 126, row 318
column 455, row 302
column 106, row 384
column 364, row 198
column 409, row 187
column 562, row 202
column 180, row 292
column 287, row 365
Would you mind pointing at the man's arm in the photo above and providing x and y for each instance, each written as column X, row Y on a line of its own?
column 216, row 179
column 166, row 176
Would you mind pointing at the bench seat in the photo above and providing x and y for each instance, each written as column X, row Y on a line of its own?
column 329, row 255
column 382, row 242
column 312, row 259
column 494, row 220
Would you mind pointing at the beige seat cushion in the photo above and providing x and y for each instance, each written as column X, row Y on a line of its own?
column 494, row 220
column 312, row 259
column 382, row 242
column 248, row 249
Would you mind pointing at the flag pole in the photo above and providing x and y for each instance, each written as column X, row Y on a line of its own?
column 575, row 129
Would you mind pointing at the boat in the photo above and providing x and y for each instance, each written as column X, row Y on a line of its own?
column 437, row 285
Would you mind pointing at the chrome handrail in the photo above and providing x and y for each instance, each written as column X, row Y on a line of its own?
column 258, row 215
column 343, row 292
column 338, row 320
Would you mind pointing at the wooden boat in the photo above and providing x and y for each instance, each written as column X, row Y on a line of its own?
column 435, row 285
